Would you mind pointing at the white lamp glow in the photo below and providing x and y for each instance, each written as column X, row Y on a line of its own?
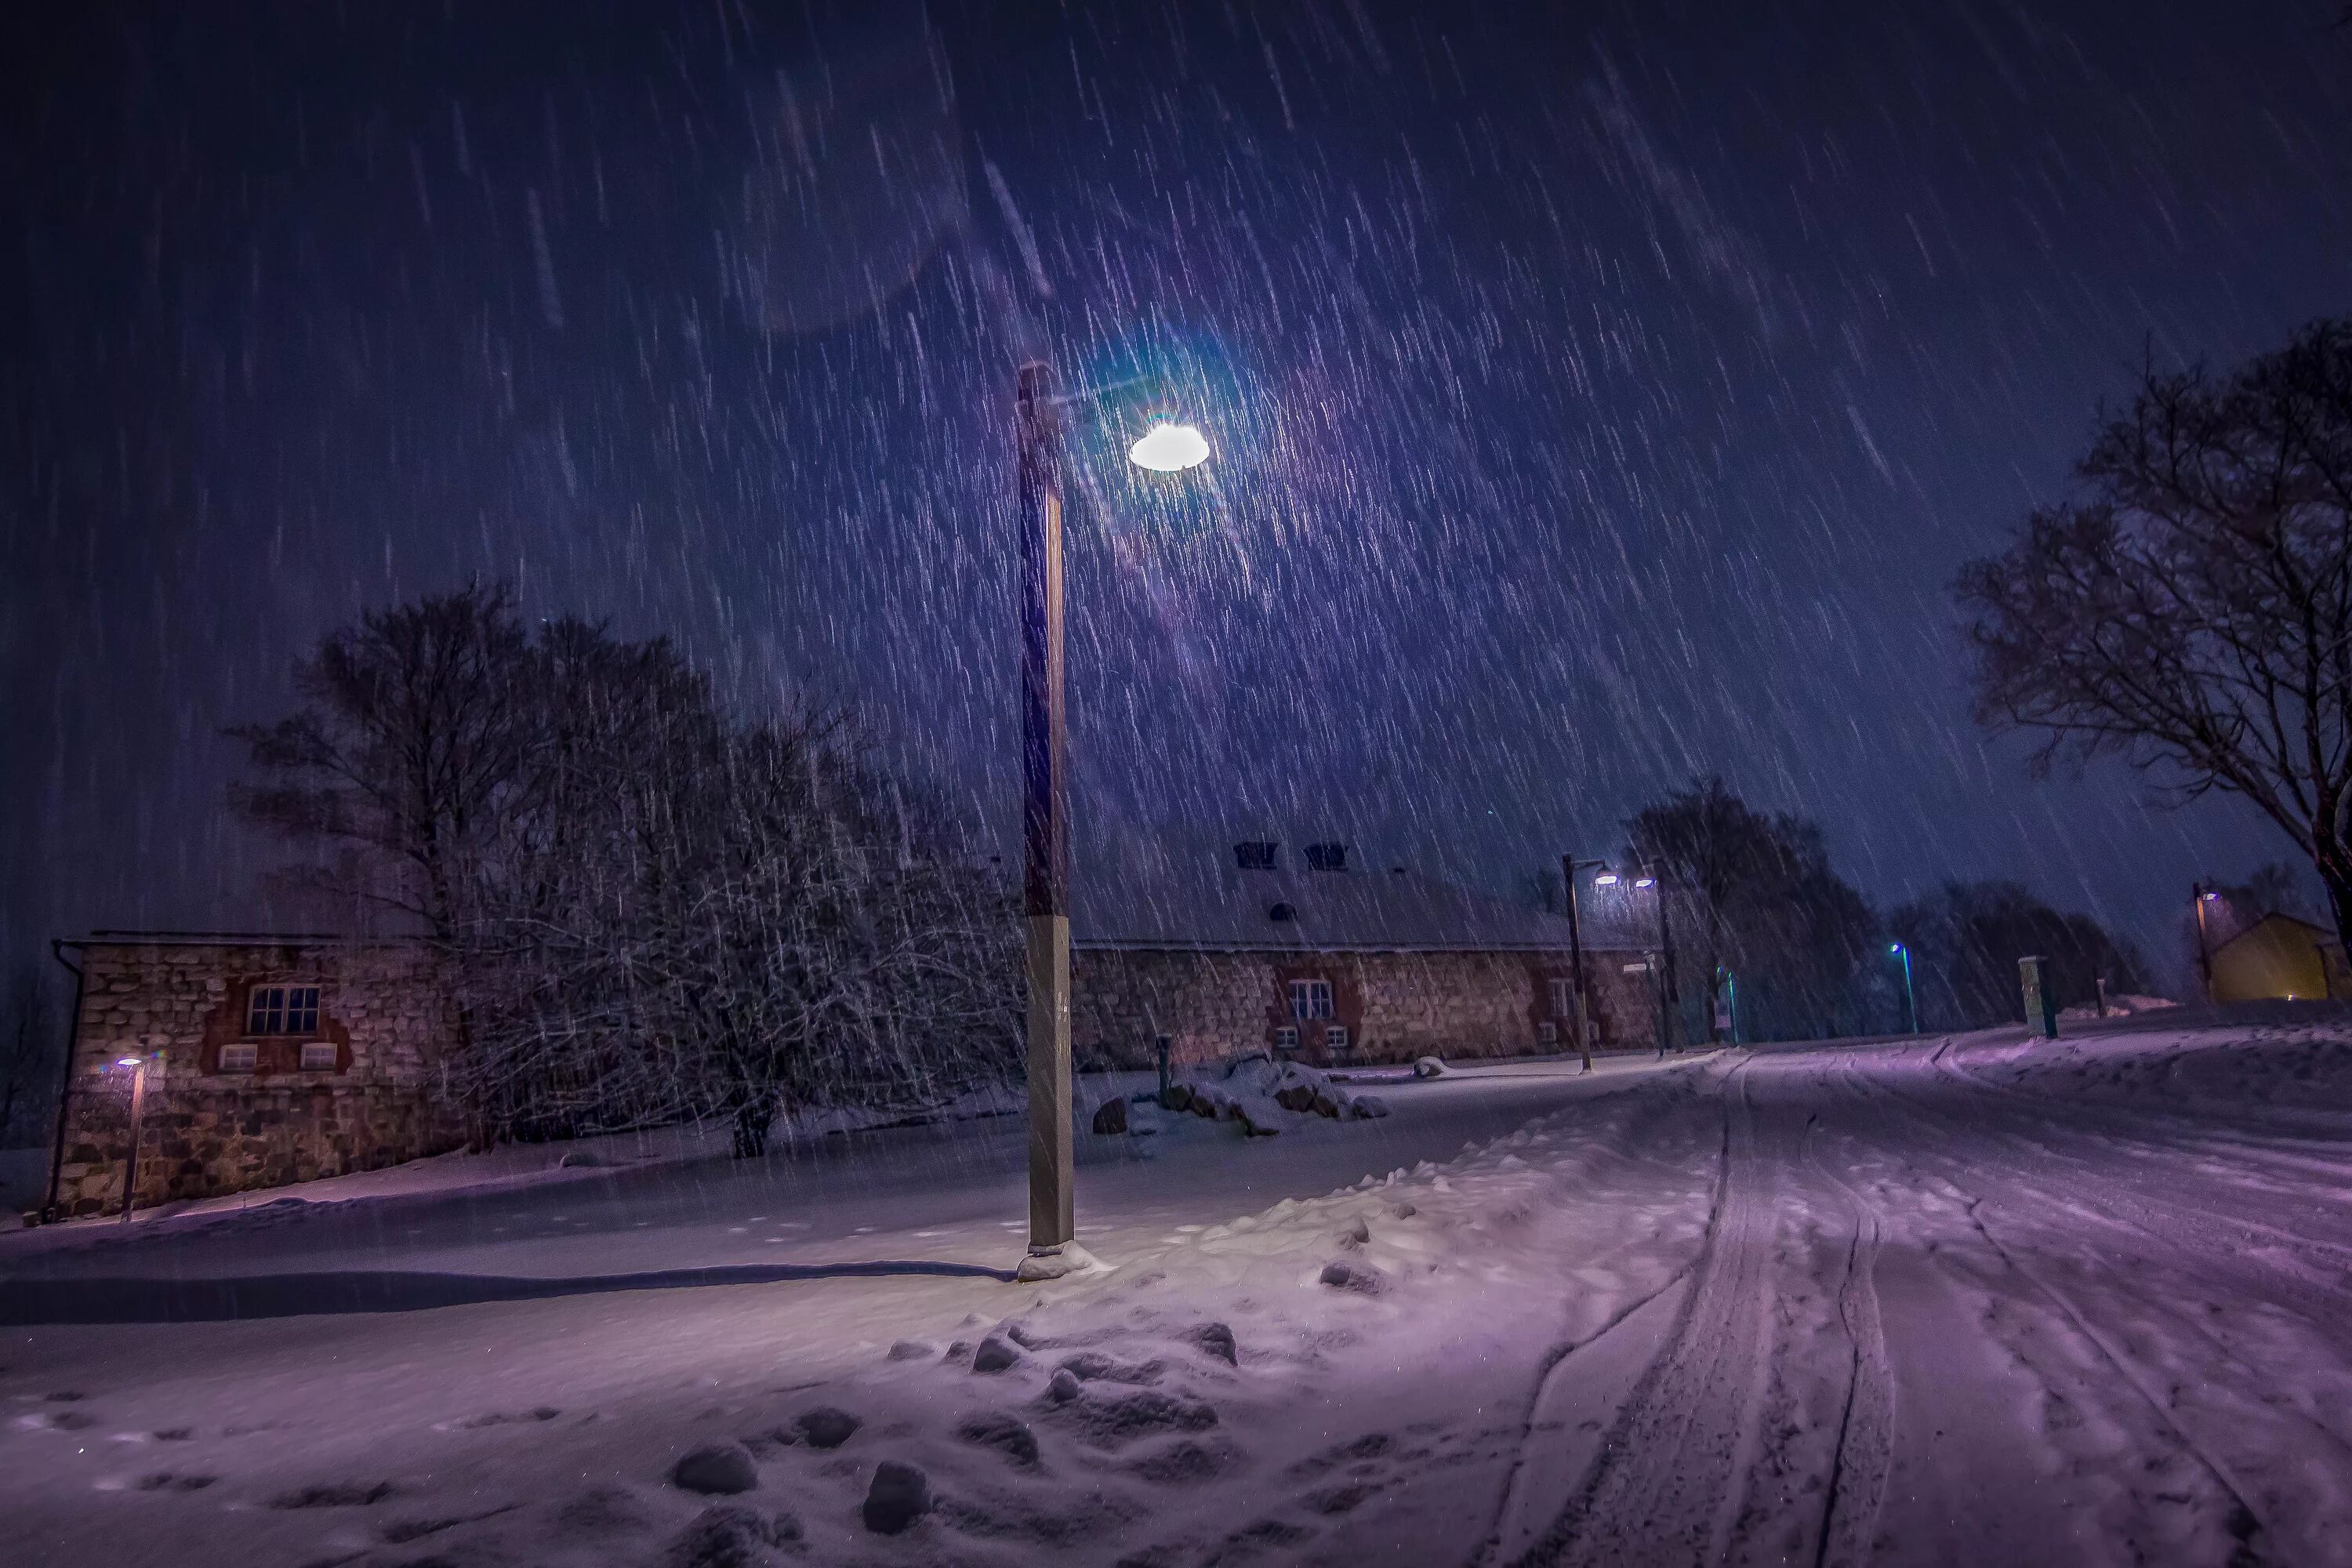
column 1606, row 879
column 1166, row 449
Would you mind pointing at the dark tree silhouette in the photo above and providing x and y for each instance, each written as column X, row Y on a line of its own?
column 649, row 907
column 1966, row 939
column 1754, row 893
column 2192, row 613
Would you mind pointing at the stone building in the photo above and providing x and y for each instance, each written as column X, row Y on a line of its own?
column 279, row 1059
column 1331, row 962
column 270, row 1059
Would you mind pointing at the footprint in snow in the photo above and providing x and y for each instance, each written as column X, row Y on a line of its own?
column 346, row 1494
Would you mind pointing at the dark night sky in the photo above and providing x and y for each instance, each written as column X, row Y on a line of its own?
column 1601, row 394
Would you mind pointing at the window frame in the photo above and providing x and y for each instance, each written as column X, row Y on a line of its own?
column 250, row 1056
column 1337, row 1037
column 1286, row 1036
column 334, row 1053
column 1313, row 1000
column 282, row 1009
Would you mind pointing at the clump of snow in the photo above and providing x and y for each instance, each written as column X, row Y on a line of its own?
column 2124, row 1006
column 1428, row 1066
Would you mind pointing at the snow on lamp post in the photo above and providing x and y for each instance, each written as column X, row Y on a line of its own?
column 1166, row 447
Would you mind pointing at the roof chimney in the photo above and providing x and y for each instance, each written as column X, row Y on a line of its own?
column 1326, row 857
column 1254, row 854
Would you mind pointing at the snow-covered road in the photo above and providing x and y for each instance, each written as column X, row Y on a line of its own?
column 1977, row 1300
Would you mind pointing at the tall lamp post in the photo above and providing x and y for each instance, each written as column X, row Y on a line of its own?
column 1054, row 1250
column 2199, row 896
column 1910, row 1001
column 1569, row 866
column 1669, row 997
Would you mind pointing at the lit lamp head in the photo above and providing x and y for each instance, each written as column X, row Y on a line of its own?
column 1646, row 881
column 1605, row 880
column 127, row 1061
column 1894, row 947
column 2211, row 897
column 1168, row 448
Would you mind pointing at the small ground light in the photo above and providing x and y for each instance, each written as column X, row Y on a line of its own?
column 1168, row 448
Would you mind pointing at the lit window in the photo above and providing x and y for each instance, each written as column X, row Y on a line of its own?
column 1310, row 999
column 1286, row 1038
column 318, row 1056
column 240, row 1058
column 1336, row 1038
column 282, row 1010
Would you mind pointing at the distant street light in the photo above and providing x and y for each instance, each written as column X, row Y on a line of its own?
column 1569, row 866
column 1669, row 998
column 1054, row 1250
column 137, row 1066
column 2200, row 895
column 1910, row 1001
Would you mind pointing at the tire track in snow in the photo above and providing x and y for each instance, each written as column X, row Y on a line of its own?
column 1675, row 1476
column 2246, row 1525
column 1865, row 1436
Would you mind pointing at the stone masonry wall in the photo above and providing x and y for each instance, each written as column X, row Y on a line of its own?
column 1394, row 1006
column 204, row 1132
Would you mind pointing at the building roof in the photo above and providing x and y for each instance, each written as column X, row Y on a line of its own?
column 1149, row 897
column 2320, row 935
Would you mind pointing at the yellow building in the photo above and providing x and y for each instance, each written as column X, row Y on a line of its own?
column 2280, row 956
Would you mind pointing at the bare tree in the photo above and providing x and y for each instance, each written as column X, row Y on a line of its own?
column 650, row 910
column 412, row 736
column 2193, row 611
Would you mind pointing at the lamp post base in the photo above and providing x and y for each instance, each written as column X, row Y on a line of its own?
column 1058, row 1263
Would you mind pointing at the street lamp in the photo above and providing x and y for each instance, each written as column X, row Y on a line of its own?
column 1166, row 447
column 1910, row 1001
column 1669, row 1000
column 1170, row 448
column 1569, row 866
column 137, row 1066
column 2199, row 896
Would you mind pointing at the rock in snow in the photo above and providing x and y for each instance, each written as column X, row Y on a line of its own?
column 900, row 1495
column 995, row 1353
column 1360, row 1278
column 1368, row 1107
column 1006, row 1435
column 1216, row 1339
column 826, row 1427
column 1428, row 1066
column 1110, row 1118
column 1062, row 1386
column 730, row 1536
column 716, row 1468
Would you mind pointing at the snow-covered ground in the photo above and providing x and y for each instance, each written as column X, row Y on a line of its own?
column 1981, row 1299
